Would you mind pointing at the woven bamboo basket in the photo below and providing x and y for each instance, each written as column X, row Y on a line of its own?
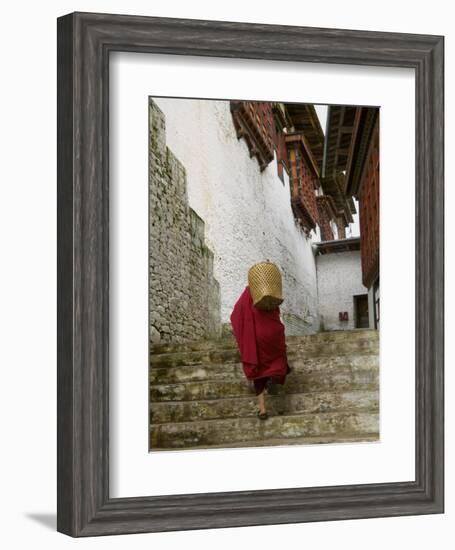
column 264, row 280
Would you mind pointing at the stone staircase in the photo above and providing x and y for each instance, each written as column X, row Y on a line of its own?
column 200, row 398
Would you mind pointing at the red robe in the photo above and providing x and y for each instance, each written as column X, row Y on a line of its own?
column 261, row 338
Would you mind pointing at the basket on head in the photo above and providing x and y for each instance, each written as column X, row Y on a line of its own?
column 264, row 280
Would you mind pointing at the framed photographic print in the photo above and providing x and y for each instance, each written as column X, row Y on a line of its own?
column 250, row 284
column 296, row 212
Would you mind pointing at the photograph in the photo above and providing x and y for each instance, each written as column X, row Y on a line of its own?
column 195, row 249
column 264, row 292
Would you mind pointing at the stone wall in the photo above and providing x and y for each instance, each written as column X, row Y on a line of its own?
column 184, row 295
column 339, row 280
column 247, row 212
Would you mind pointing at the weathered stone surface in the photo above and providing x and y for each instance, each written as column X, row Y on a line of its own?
column 155, row 336
column 231, row 354
column 238, row 407
column 342, row 380
column 208, row 432
column 184, row 295
column 234, row 371
column 228, row 341
column 199, row 396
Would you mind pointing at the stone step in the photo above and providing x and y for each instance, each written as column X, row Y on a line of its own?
column 229, row 341
column 239, row 430
column 301, row 351
column 234, row 371
column 237, row 407
column 342, row 379
column 338, row 438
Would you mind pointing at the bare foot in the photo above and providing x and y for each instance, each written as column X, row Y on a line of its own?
column 261, row 401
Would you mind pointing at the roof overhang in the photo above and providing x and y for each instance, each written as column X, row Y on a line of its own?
column 337, row 246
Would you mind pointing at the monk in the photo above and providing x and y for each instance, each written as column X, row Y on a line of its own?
column 261, row 340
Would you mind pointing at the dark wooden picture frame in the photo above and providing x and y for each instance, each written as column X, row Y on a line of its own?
column 85, row 41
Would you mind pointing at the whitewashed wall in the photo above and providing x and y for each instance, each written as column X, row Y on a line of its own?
column 247, row 213
column 339, row 277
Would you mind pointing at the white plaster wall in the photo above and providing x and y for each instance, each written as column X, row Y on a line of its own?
column 247, row 213
column 339, row 277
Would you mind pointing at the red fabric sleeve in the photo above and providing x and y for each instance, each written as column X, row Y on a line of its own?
column 242, row 321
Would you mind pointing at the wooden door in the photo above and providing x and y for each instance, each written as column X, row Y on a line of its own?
column 361, row 311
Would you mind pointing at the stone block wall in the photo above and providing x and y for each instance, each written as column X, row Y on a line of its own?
column 247, row 212
column 184, row 297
